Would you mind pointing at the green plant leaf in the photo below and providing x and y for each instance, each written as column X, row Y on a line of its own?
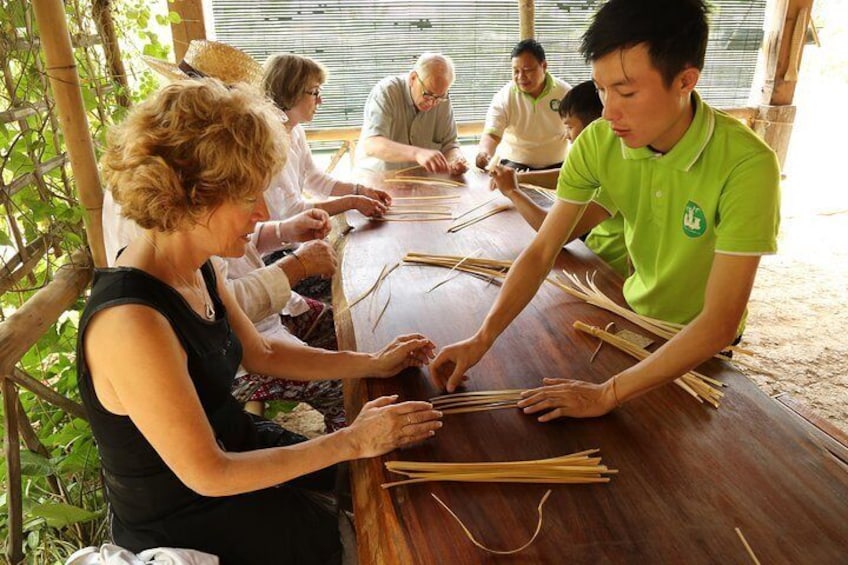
column 59, row 514
column 35, row 465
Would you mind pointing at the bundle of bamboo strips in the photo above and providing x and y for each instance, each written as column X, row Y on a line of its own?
column 487, row 269
column 462, row 402
column 591, row 294
column 546, row 192
column 699, row 386
column 496, row 210
column 439, row 197
column 577, row 468
column 424, row 180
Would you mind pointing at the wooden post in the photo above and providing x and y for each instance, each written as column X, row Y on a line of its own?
column 106, row 28
column 65, row 83
column 12, row 452
column 783, row 46
column 527, row 19
column 192, row 25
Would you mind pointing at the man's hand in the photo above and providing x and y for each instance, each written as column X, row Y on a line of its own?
column 458, row 166
column 482, row 160
column 432, row 160
column 449, row 367
column 503, row 178
column 318, row 258
column 309, row 224
column 565, row 397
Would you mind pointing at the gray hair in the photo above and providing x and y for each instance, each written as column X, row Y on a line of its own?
column 429, row 64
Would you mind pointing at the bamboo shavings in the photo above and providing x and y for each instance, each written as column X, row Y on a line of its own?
column 738, row 532
column 589, row 292
column 576, row 468
column 424, row 180
column 384, row 272
column 478, row 401
column 497, row 210
column 699, row 386
column 449, row 277
column 495, row 551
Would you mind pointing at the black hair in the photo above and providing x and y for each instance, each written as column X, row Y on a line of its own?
column 582, row 102
column 675, row 32
column 529, row 45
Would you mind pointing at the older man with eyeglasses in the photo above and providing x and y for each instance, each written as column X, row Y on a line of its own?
column 409, row 120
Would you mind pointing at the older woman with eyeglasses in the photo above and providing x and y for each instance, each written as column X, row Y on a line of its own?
column 294, row 84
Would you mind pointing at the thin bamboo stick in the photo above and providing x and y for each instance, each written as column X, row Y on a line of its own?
column 477, row 207
column 481, row 217
column 429, row 219
column 424, row 180
column 450, row 197
column 406, row 170
column 495, row 551
column 448, row 276
column 747, row 547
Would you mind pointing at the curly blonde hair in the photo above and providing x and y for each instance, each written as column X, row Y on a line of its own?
column 191, row 147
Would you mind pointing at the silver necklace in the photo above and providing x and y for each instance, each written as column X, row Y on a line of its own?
column 197, row 287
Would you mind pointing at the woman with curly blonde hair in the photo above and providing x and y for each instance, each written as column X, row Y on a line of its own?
column 161, row 338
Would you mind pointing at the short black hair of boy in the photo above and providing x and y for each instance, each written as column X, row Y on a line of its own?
column 675, row 32
column 582, row 102
column 529, row 45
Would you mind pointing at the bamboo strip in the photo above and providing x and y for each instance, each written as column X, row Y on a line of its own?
column 439, row 219
column 481, row 217
column 591, row 294
column 481, row 408
column 406, row 170
column 430, row 213
column 448, row 277
column 692, row 383
column 465, row 479
column 384, row 272
column 424, row 180
column 477, row 207
column 747, row 547
column 495, row 551
column 441, row 397
column 450, row 197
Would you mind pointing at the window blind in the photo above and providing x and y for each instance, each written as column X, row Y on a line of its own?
column 360, row 42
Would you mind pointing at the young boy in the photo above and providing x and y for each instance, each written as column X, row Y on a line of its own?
column 578, row 108
column 698, row 192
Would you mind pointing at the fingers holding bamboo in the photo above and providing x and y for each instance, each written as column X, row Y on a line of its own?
column 384, row 424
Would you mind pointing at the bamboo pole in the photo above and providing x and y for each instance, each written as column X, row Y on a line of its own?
column 65, row 83
column 106, row 29
column 526, row 19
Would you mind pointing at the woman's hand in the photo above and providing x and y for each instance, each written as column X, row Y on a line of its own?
column 318, row 258
column 307, row 225
column 453, row 361
column 565, row 397
column 383, row 425
column 376, row 194
column 368, row 206
column 412, row 350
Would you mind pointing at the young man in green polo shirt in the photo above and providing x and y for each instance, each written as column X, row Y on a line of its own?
column 698, row 192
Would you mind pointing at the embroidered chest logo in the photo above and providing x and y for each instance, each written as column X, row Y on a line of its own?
column 554, row 104
column 694, row 221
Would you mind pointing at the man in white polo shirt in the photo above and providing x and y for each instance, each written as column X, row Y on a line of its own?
column 523, row 122
column 697, row 190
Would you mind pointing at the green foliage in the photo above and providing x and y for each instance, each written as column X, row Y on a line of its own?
column 63, row 503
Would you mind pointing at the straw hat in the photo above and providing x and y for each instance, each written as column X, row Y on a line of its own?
column 210, row 59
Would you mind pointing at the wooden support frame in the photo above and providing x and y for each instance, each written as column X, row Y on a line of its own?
column 527, row 19
column 783, row 47
column 192, row 25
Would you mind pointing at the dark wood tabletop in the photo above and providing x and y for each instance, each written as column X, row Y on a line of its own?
column 688, row 474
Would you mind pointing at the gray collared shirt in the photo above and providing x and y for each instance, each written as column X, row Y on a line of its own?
column 391, row 113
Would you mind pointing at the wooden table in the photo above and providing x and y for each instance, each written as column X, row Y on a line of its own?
column 688, row 474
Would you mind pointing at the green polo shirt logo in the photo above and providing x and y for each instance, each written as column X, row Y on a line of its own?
column 694, row 221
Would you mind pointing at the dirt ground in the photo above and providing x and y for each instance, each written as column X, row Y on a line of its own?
column 798, row 321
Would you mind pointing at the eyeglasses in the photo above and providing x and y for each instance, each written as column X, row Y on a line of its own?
column 429, row 96
column 315, row 92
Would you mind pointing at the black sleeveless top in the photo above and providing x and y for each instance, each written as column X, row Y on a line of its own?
column 139, row 486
